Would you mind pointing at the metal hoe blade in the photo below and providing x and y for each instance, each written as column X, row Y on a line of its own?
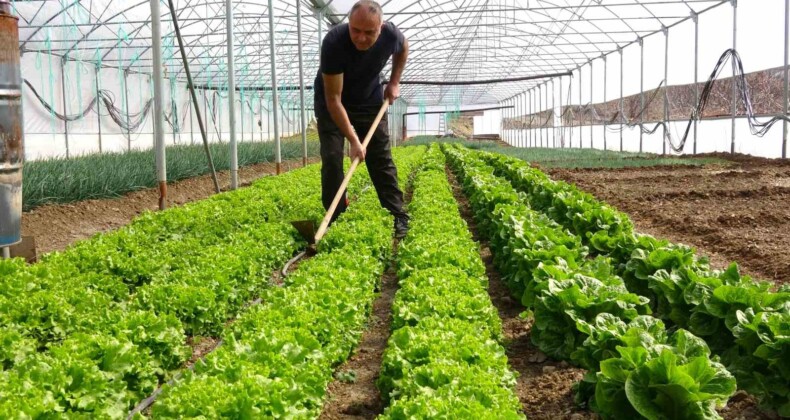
column 306, row 228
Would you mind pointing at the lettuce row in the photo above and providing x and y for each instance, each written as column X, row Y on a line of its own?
column 584, row 313
column 443, row 359
column 96, row 328
column 278, row 356
column 742, row 320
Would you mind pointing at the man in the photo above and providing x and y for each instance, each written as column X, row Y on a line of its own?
column 348, row 96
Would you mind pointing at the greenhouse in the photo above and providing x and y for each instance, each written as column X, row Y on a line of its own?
column 403, row 209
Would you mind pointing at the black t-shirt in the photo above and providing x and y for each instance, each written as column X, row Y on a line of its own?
column 362, row 91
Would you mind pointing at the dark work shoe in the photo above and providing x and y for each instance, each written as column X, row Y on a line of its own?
column 401, row 227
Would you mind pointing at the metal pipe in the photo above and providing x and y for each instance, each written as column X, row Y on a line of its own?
column 570, row 107
column 159, row 134
column 173, row 111
column 525, row 121
column 592, row 107
column 734, row 70
column 605, row 77
column 126, row 102
column 98, row 105
column 787, row 49
column 622, row 100
column 12, row 151
column 695, row 17
column 191, row 124
column 581, row 107
column 540, row 111
column 666, row 91
column 272, row 55
column 320, row 17
column 303, row 119
column 562, row 124
column 234, row 152
column 549, row 113
column 528, row 100
column 65, row 107
column 641, row 92
column 553, row 117
column 6, row 252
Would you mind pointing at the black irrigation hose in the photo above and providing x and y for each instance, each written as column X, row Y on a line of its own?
column 108, row 99
column 758, row 128
column 144, row 404
column 52, row 111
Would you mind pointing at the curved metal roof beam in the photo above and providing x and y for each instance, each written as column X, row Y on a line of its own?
column 190, row 6
column 63, row 10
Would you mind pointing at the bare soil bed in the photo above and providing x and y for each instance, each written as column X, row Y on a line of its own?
column 737, row 212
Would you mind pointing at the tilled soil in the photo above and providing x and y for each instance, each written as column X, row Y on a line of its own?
column 544, row 385
column 730, row 213
column 57, row 226
column 354, row 394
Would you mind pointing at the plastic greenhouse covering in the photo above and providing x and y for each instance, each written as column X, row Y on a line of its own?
column 78, row 50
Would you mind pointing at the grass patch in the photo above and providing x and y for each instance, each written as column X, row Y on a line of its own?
column 108, row 175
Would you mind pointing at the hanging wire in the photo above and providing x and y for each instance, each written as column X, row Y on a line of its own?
column 757, row 128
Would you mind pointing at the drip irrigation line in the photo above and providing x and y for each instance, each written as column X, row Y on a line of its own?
column 108, row 98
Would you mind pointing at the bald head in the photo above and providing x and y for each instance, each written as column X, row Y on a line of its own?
column 364, row 23
column 368, row 7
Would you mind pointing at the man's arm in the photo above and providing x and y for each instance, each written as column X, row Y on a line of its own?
column 392, row 91
column 333, row 90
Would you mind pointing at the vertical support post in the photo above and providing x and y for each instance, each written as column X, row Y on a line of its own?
column 695, row 17
column 234, row 157
column 260, row 118
column 734, row 70
column 666, row 90
column 303, row 119
column 562, row 124
column 269, row 123
column 622, row 100
column 191, row 124
column 272, row 50
column 126, row 96
column 65, row 107
column 531, row 118
column 605, row 78
column 570, row 107
column 592, row 108
column 641, row 92
column 548, row 112
column 524, row 119
column 320, row 17
column 205, row 111
column 540, row 111
column 159, row 122
column 581, row 108
column 553, row 117
column 173, row 111
column 98, row 106
column 787, row 51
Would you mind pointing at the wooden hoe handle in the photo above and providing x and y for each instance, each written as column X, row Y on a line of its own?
column 325, row 223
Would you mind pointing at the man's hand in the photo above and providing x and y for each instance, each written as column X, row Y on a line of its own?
column 356, row 150
column 392, row 92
